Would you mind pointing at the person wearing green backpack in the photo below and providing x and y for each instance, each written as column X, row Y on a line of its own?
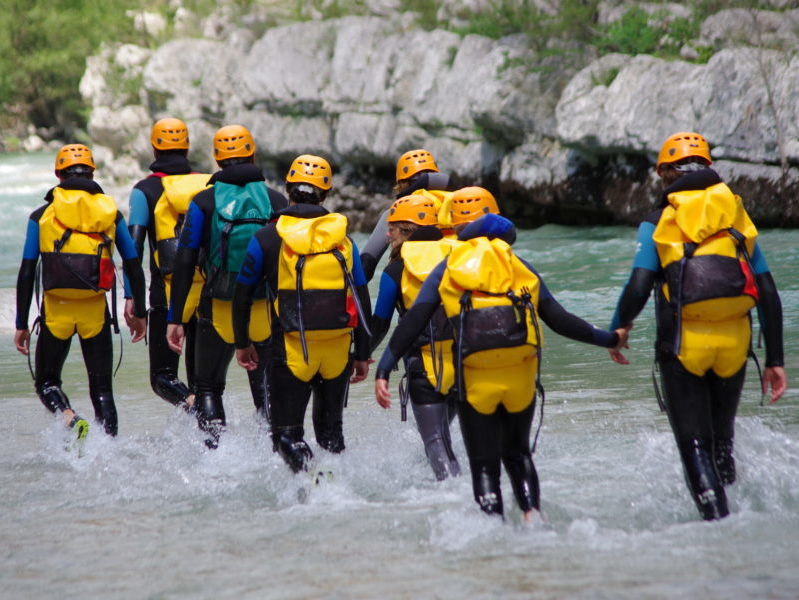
column 219, row 224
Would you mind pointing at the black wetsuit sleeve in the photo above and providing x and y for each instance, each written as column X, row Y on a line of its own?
column 182, row 277
column 571, row 326
column 362, row 347
column 25, row 283
column 138, row 233
column 387, row 300
column 412, row 323
column 634, row 296
column 135, row 274
column 243, row 295
column 769, row 311
column 375, row 246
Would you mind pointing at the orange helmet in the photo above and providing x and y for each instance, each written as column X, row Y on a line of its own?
column 74, row 154
column 170, row 134
column 308, row 168
column 413, row 209
column 233, row 141
column 413, row 161
column 470, row 203
column 684, row 145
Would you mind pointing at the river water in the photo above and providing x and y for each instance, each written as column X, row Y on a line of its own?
column 153, row 514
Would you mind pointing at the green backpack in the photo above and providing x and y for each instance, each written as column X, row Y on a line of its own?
column 239, row 211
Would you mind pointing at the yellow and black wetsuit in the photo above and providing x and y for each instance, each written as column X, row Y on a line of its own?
column 74, row 297
column 496, row 367
column 142, row 224
column 214, row 339
column 702, row 355
column 314, row 326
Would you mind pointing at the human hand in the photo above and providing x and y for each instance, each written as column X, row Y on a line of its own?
column 360, row 369
column 247, row 357
column 174, row 337
column 774, row 378
column 138, row 328
column 615, row 352
column 128, row 313
column 382, row 395
column 22, row 340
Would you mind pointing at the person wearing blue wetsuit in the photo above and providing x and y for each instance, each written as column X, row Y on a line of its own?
column 202, row 239
column 497, row 401
column 170, row 141
column 702, row 353
column 416, row 245
column 321, row 307
column 72, row 233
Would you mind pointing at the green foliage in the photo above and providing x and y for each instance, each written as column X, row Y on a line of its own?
column 605, row 78
column 631, row 35
column 44, row 48
column 426, row 12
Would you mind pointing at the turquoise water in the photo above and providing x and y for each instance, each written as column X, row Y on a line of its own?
column 152, row 514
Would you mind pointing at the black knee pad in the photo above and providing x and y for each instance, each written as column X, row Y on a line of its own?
column 166, row 385
column 53, row 397
column 289, row 444
column 703, row 479
column 524, row 481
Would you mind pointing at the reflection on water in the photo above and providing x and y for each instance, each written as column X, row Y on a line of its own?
column 153, row 514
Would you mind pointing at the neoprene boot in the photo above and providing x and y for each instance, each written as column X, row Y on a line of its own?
column 167, row 386
column 703, row 480
column 289, row 444
column 210, row 417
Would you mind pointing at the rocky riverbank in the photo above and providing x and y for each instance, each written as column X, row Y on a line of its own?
column 558, row 140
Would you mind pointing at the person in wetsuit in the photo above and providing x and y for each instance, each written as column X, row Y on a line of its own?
column 215, row 235
column 72, row 233
column 417, row 246
column 496, row 385
column 702, row 357
column 170, row 142
column 321, row 308
column 417, row 173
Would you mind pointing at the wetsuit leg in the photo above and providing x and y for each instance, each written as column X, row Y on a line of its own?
column 98, row 355
column 50, row 355
column 688, row 399
column 259, row 379
column 164, row 361
column 289, row 401
column 190, row 349
column 433, row 416
column 517, row 458
column 481, row 436
column 725, row 395
column 329, row 397
column 212, row 358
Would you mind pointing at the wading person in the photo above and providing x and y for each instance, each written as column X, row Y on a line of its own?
column 493, row 301
column 219, row 223
column 320, row 335
column 699, row 252
column 417, row 246
column 158, row 205
column 74, row 234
